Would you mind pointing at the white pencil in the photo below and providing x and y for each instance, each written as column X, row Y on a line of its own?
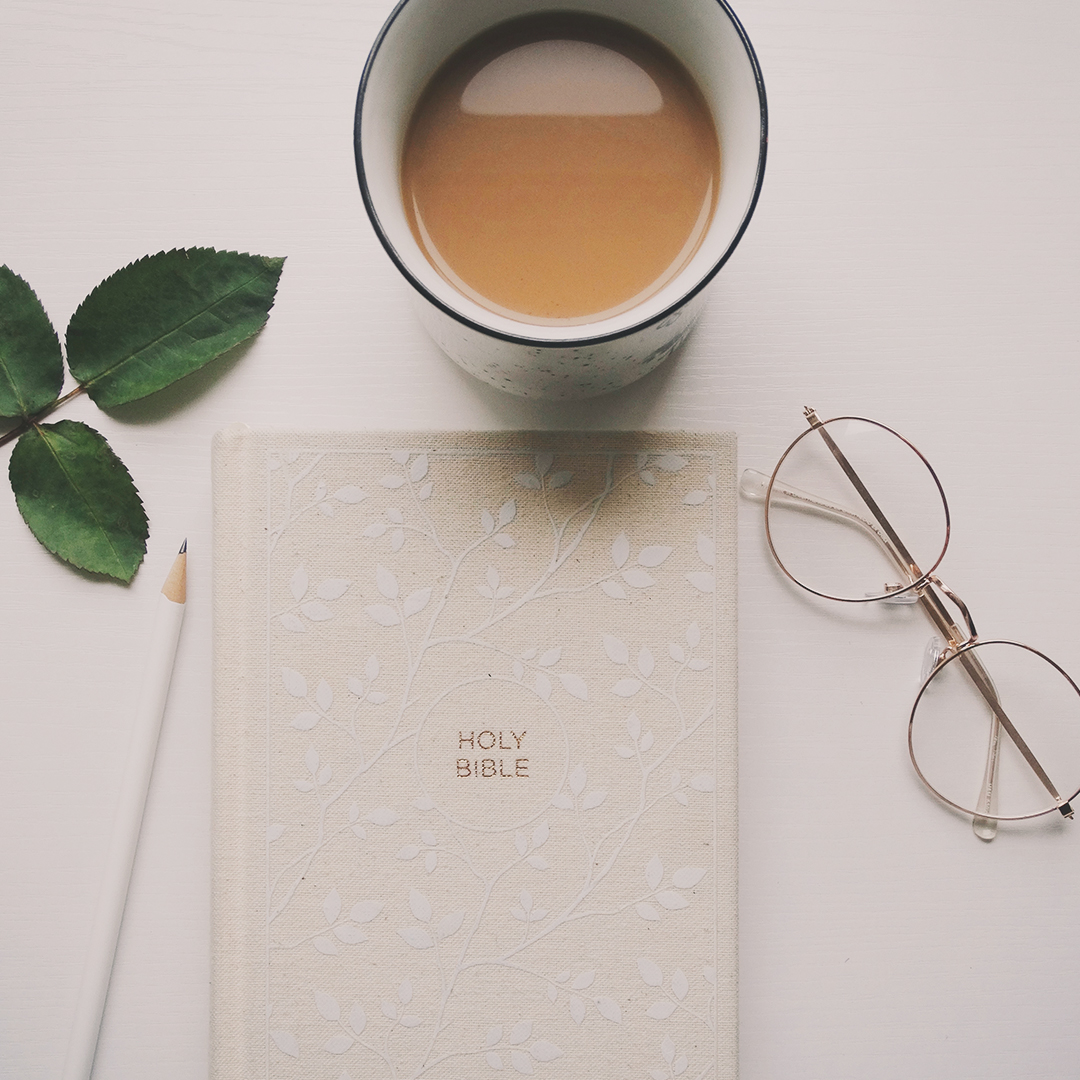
column 125, row 838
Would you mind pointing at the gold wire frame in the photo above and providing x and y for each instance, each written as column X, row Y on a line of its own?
column 960, row 643
column 923, row 578
column 969, row 647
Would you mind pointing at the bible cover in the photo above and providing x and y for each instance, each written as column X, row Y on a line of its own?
column 474, row 756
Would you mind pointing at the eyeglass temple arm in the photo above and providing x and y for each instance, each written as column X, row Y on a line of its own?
column 755, row 485
column 937, row 612
column 871, row 504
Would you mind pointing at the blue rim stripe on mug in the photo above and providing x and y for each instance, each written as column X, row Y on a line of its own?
column 562, row 343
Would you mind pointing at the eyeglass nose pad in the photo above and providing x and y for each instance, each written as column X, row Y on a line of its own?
column 933, row 654
column 893, row 595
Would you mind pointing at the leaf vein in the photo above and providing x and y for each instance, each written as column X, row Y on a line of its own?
column 209, row 309
column 89, row 506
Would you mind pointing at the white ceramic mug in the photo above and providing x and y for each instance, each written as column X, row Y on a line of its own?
column 561, row 361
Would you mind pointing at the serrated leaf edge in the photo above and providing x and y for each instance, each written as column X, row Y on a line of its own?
column 267, row 260
column 39, row 429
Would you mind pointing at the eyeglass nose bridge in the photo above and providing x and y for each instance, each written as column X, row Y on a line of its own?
column 955, row 640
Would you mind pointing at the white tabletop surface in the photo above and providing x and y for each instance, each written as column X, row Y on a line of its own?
column 915, row 257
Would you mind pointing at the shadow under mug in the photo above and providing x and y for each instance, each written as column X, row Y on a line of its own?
column 563, row 361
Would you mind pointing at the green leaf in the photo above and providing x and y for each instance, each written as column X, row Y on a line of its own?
column 31, row 367
column 78, row 498
column 165, row 316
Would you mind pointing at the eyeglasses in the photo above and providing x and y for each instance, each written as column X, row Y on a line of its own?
column 855, row 513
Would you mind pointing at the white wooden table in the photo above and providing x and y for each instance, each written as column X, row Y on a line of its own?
column 915, row 257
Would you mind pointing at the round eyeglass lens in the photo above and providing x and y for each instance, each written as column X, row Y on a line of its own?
column 855, row 512
column 964, row 753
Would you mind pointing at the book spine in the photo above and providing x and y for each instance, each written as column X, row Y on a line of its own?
column 238, row 956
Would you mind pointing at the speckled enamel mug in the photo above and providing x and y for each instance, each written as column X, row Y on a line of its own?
column 560, row 362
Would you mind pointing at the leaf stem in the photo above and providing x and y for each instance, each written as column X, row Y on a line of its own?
column 29, row 422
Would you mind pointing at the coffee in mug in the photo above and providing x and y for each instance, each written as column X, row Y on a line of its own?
column 559, row 180
column 560, row 168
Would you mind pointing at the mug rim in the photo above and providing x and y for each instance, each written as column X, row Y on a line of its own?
column 561, row 343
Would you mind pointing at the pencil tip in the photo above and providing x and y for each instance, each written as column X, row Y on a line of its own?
column 183, row 547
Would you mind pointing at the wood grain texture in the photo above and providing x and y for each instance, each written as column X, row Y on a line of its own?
column 914, row 257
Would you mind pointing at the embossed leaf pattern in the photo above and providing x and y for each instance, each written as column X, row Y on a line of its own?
column 332, row 588
column 646, row 662
column 527, row 904
column 670, row 463
column 519, row 1033
column 338, row 1044
column 650, row 971
column 450, row 924
column 706, row 549
column 574, row 685
column 416, row 602
column 654, row 872
column 620, row 550
column 609, row 1009
column 653, row 555
column 286, row 1042
column 298, row 583
column 386, row 582
column 366, row 910
column 617, row 650
column 419, row 905
column 543, row 1050
column 578, row 777
column 294, row 682
column 358, row 1019
column 383, row 614
column 702, row 581
column 416, row 937
column 332, row 906
column 350, row 935
column 328, row 1007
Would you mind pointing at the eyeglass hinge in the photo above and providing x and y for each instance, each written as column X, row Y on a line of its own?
column 1065, row 810
column 811, row 416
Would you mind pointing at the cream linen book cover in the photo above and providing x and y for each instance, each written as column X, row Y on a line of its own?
column 474, row 756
